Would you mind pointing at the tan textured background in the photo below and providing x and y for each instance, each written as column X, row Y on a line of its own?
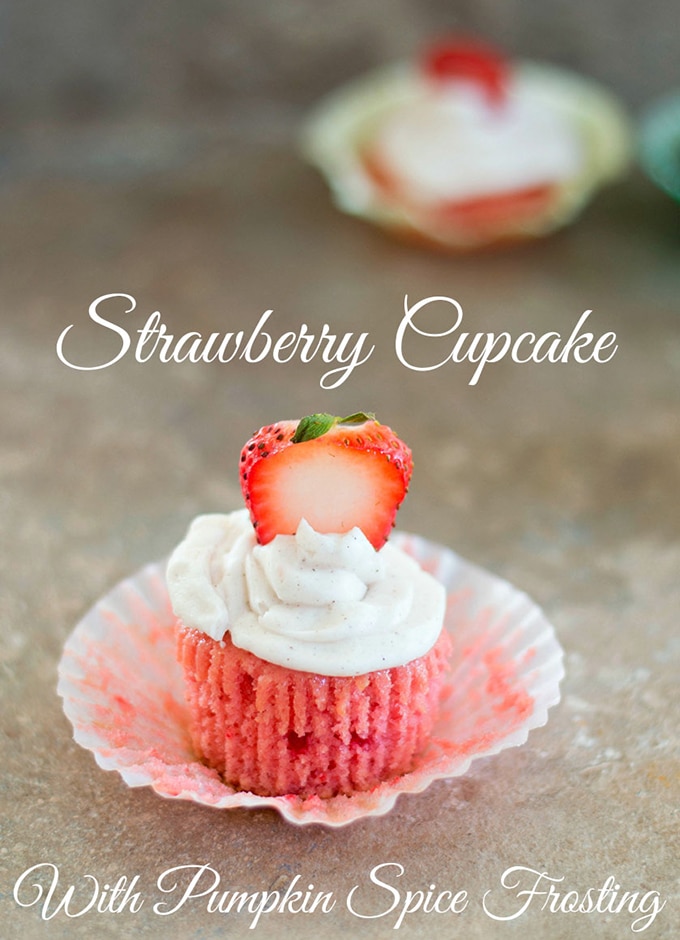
column 563, row 479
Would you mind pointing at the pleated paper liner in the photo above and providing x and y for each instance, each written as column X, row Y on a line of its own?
column 122, row 690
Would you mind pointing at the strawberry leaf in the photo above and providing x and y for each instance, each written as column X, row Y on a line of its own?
column 317, row 425
column 358, row 418
column 313, row 426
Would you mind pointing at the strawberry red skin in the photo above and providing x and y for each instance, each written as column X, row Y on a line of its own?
column 476, row 215
column 460, row 58
column 370, row 448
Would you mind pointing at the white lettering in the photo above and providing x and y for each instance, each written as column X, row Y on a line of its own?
column 107, row 898
column 480, row 349
column 94, row 315
column 396, row 896
column 607, row 899
column 190, row 891
column 442, row 902
column 154, row 340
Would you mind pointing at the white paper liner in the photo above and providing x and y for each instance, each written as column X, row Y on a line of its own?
column 122, row 690
column 341, row 125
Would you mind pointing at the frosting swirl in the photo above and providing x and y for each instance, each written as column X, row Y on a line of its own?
column 452, row 144
column 324, row 603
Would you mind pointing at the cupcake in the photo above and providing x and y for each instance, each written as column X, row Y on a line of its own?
column 465, row 149
column 312, row 649
column 660, row 144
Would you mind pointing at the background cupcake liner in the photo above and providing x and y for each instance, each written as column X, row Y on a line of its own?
column 122, row 690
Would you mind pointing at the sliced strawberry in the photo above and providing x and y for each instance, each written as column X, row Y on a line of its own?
column 474, row 215
column 379, row 173
column 337, row 473
column 491, row 212
column 468, row 60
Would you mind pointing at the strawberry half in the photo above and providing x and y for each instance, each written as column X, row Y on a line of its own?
column 468, row 60
column 337, row 473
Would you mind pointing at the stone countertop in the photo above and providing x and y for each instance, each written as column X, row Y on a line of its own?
column 563, row 478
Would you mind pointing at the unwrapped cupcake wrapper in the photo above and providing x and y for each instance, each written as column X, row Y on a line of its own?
column 123, row 690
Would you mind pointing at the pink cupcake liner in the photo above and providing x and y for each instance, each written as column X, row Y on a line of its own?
column 123, row 691
column 275, row 730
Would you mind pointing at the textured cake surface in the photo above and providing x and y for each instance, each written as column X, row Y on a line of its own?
column 272, row 730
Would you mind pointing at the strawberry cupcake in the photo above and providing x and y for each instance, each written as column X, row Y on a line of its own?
column 465, row 149
column 312, row 650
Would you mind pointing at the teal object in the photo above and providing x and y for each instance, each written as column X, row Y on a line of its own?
column 660, row 144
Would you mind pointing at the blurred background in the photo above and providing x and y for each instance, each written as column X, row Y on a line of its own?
column 151, row 147
column 172, row 75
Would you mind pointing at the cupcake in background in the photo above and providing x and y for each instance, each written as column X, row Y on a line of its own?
column 465, row 149
column 660, row 144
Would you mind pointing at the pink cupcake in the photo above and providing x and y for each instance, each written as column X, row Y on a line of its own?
column 273, row 730
column 312, row 650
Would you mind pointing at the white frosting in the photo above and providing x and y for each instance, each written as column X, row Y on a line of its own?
column 329, row 604
column 452, row 143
